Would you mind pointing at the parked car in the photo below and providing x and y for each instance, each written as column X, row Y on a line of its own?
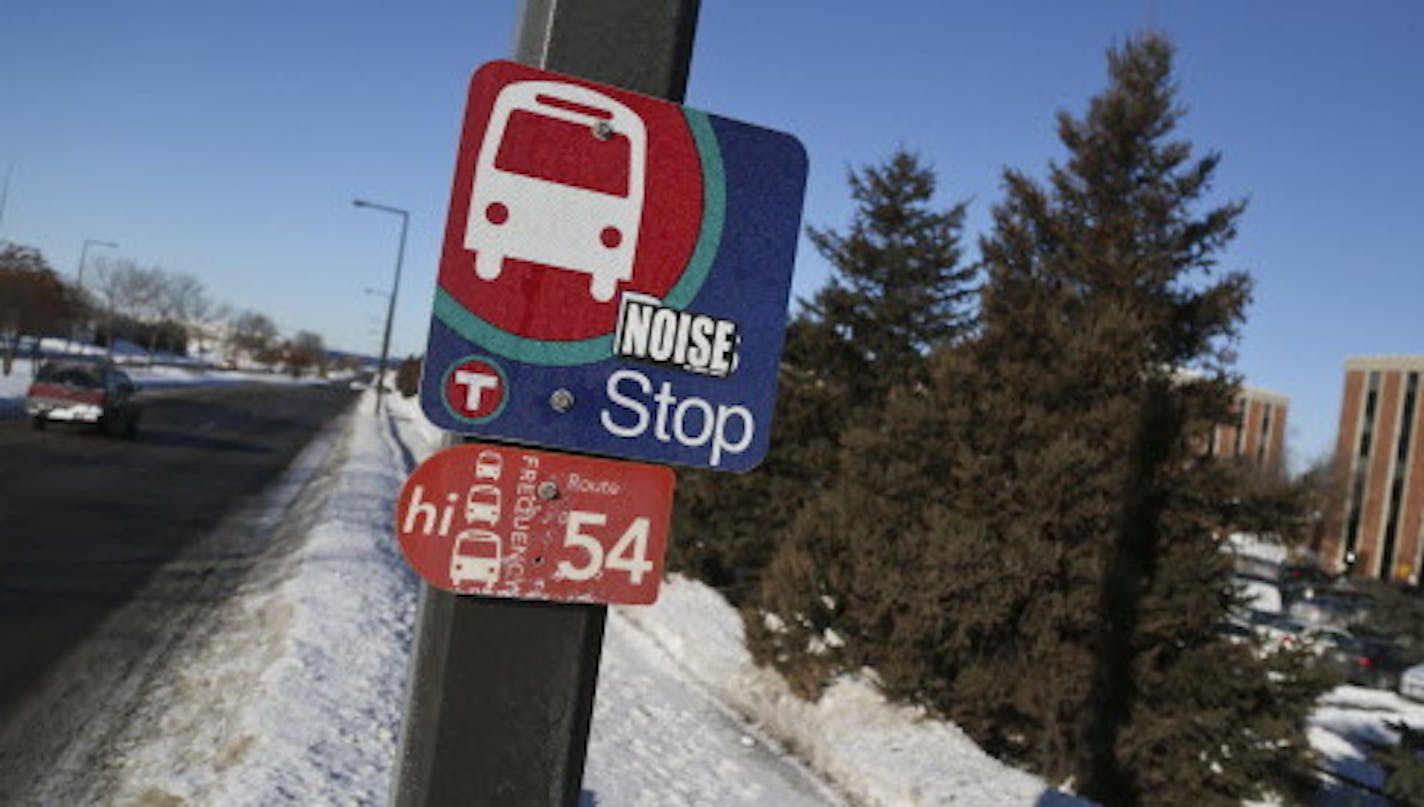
column 87, row 391
column 1364, row 661
column 1302, row 572
column 1341, row 607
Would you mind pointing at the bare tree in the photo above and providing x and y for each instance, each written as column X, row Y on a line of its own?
column 306, row 351
column 253, row 333
column 205, row 319
column 123, row 288
column 160, row 306
column 188, row 303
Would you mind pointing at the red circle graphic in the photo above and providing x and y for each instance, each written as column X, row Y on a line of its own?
column 553, row 303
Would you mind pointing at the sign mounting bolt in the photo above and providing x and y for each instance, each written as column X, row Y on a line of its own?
column 548, row 491
column 602, row 130
column 562, row 400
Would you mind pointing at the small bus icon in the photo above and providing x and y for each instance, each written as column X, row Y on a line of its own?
column 489, row 465
column 559, row 182
column 482, row 504
column 476, row 558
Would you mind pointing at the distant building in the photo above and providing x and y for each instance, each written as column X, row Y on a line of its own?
column 1372, row 525
column 1257, row 431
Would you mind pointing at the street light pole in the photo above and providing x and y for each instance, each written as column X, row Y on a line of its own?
column 391, row 304
column 79, row 276
column 5, row 192
column 84, row 254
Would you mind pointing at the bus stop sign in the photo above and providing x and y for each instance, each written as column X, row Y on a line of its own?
column 614, row 274
column 505, row 521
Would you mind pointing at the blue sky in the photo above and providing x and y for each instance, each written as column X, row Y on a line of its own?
column 227, row 139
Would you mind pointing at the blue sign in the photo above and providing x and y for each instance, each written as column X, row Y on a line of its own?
column 614, row 275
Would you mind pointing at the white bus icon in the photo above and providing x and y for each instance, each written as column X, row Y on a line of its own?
column 559, row 181
column 482, row 504
column 476, row 558
column 489, row 465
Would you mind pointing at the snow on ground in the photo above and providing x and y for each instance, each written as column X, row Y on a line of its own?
column 292, row 689
column 876, row 752
column 1349, row 720
column 659, row 740
column 1250, row 545
column 140, row 681
column 305, row 674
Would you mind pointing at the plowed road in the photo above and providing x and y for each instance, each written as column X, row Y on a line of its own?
column 86, row 519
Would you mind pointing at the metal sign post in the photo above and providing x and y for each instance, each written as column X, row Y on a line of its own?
column 502, row 690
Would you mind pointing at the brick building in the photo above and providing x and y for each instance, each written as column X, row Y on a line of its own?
column 1258, row 432
column 1372, row 524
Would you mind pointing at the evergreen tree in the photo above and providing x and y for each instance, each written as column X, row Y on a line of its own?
column 34, row 301
column 1403, row 765
column 1117, row 248
column 898, row 289
column 1030, row 542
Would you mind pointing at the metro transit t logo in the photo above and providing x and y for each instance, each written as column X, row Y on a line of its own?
column 592, row 230
column 475, row 389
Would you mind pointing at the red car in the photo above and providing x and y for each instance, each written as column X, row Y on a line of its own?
column 83, row 391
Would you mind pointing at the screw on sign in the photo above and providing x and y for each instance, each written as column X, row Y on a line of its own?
column 504, row 521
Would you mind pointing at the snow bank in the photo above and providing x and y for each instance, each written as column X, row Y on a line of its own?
column 1256, row 547
column 293, row 690
column 338, row 629
column 658, row 739
column 877, row 752
column 296, row 691
column 1348, row 720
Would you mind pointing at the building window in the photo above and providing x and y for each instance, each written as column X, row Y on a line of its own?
column 1238, row 442
column 1406, row 428
column 1352, row 524
column 1371, row 403
column 1265, row 442
column 1396, row 490
column 1357, row 488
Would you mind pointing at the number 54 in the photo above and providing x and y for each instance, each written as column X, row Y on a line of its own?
column 629, row 554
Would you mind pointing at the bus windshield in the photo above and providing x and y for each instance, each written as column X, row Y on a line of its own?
column 567, row 153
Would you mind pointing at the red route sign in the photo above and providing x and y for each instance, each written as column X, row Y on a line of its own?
column 506, row 521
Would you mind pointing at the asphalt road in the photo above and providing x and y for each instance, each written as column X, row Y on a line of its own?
column 86, row 519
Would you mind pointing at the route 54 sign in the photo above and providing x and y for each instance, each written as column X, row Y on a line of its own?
column 505, row 521
column 614, row 275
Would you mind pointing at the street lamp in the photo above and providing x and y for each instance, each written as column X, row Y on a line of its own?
column 395, row 286
column 79, row 277
column 84, row 255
